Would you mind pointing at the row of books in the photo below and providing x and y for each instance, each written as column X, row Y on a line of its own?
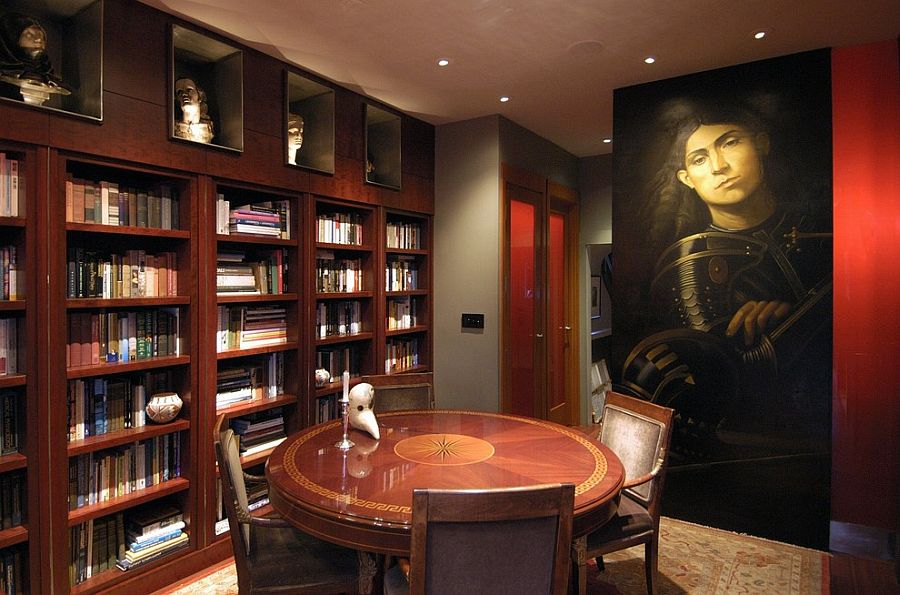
column 338, row 358
column 336, row 318
column 259, row 431
column 9, row 422
column 99, row 406
column 107, row 203
column 339, row 228
column 108, row 474
column 401, row 275
column 112, row 337
column 326, row 408
column 13, row 571
column 401, row 354
column 403, row 236
column 257, row 379
column 12, row 187
column 257, row 497
column 245, row 327
column 401, row 313
column 97, row 274
column 333, row 275
column 267, row 218
column 10, row 354
column 13, row 499
column 236, row 274
column 9, row 271
column 152, row 533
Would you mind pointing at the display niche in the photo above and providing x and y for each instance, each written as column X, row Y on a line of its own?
column 51, row 55
column 309, row 124
column 206, row 91
column 382, row 147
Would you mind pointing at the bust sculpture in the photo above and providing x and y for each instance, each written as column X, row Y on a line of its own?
column 294, row 137
column 24, row 61
column 361, row 415
column 195, row 124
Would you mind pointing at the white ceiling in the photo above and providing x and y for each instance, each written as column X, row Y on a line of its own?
column 557, row 60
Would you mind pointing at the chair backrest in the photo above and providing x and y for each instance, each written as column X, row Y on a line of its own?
column 639, row 432
column 498, row 541
column 234, row 491
column 395, row 392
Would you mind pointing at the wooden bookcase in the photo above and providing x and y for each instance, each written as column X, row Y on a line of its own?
column 132, row 149
column 405, row 303
column 124, row 302
column 274, row 362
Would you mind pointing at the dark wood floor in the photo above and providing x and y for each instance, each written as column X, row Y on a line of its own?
column 862, row 576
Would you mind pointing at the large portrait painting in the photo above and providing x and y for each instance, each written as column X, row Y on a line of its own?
column 722, row 233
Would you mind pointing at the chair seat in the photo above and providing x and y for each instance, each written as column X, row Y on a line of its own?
column 631, row 521
column 280, row 549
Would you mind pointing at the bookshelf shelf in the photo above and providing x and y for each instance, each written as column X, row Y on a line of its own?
column 166, row 488
column 249, row 297
column 234, row 353
column 257, row 404
column 94, row 303
column 12, row 221
column 12, row 305
column 122, row 437
column 13, row 535
column 11, row 380
column 13, row 461
column 237, row 238
column 124, row 230
column 406, row 331
column 335, row 339
column 124, row 367
column 344, row 247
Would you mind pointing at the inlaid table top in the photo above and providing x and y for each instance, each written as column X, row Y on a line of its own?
column 362, row 498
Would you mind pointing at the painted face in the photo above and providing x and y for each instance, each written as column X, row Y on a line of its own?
column 723, row 163
column 33, row 41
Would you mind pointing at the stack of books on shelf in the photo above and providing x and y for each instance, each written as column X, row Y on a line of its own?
column 102, row 405
column 107, row 203
column 339, row 228
column 269, row 219
column 401, row 354
column 9, row 270
column 12, row 499
column 401, row 274
column 151, row 534
column 338, row 318
column 401, row 313
column 105, row 475
column 111, row 337
column 233, row 385
column 259, row 431
column 235, row 275
column 96, row 274
column 9, row 346
column 246, row 327
column 12, row 187
column 403, row 236
column 337, row 274
column 12, row 570
column 9, row 422
column 254, row 380
column 95, row 546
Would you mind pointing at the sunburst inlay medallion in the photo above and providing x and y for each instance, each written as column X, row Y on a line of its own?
column 444, row 449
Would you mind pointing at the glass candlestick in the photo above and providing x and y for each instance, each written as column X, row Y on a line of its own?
column 345, row 443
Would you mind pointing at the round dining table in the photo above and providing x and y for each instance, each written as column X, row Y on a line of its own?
column 361, row 497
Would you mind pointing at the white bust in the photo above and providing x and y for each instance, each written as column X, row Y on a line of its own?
column 362, row 417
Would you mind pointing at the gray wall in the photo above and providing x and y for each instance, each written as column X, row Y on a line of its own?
column 467, row 248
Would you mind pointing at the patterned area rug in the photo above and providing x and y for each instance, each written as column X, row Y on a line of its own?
column 693, row 559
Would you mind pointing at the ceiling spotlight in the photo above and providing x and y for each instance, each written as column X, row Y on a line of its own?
column 649, row 60
column 443, row 62
column 504, row 99
column 607, row 140
column 760, row 33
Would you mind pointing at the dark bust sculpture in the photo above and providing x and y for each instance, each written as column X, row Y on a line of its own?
column 24, row 61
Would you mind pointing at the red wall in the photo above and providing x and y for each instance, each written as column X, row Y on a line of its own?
column 866, row 418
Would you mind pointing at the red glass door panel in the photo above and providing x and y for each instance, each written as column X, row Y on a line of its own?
column 523, row 319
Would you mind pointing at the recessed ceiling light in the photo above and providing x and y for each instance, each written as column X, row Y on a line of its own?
column 504, row 99
column 760, row 33
column 443, row 62
column 607, row 140
column 649, row 59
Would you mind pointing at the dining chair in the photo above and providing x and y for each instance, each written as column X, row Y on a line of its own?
column 513, row 541
column 395, row 392
column 270, row 555
column 639, row 433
